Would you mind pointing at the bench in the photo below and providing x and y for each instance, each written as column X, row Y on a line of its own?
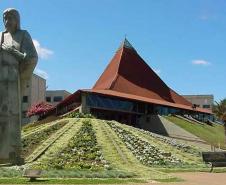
column 33, row 174
column 216, row 159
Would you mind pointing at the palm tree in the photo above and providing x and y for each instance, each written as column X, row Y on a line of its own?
column 220, row 111
column 219, row 108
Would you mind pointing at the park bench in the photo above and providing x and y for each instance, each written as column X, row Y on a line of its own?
column 215, row 159
column 33, row 174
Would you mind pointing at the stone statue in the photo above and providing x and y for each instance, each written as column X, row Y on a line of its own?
column 18, row 59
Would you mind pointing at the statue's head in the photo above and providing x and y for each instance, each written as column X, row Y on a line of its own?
column 11, row 19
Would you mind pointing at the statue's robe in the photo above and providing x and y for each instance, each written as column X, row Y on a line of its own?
column 10, row 109
column 14, row 74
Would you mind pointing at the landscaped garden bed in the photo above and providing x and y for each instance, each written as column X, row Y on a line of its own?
column 82, row 152
column 145, row 152
column 33, row 139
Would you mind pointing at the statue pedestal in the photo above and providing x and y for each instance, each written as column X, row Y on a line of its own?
column 10, row 109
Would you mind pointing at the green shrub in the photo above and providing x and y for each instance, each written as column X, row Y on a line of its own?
column 79, row 115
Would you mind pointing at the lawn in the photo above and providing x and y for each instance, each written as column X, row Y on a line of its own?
column 71, row 181
column 211, row 134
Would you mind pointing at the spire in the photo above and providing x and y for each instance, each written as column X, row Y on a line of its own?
column 126, row 44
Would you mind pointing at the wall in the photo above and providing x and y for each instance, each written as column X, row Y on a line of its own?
column 51, row 96
column 201, row 100
column 34, row 93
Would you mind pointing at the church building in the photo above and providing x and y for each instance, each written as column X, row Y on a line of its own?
column 129, row 91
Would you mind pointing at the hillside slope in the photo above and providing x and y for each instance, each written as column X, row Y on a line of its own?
column 213, row 135
column 98, row 148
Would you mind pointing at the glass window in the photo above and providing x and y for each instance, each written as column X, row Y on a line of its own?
column 206, row 106
column 141, row 107
column 109, row 103
column 48, row 99
column 25, row 99
column 57, row 98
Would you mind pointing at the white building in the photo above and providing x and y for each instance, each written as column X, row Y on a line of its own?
column 56, row 96
column 202, row 101
column 34, row 93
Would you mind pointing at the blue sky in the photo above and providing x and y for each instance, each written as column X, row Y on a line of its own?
column 184, row 41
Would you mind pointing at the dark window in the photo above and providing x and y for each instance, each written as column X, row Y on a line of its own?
column 48, row 99
column 25, row 99
column 206, row 106
column 109, row 103
column 57, row 98
column 141, row 107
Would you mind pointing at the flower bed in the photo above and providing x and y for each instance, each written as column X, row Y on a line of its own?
column 31, row 141
column 145, row 152
column 81, row 152
column 180, row 146
column 173, row 142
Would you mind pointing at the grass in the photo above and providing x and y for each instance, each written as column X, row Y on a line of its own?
column 58, row 146
column 71, row 181
column 213, row 135
column 9, row 172
column 69, row 173
column 86, row 174
column 186, row 157
column 130, row 163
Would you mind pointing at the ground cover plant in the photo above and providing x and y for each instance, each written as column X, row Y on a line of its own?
column 173, row 142
column 191, row 157
column 183, row 147
column 145, row 152
column 82, row 152
column 33, row 127
column 30, row 126
column 58, row 145
column 213, row 135
column 31, row 140
column 92, row 148
column 119, row 156
column 45, row 145
column 79, row 115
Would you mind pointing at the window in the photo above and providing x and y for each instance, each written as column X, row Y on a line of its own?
column 48, row 99
column 57, row 98
column 206, row 106
column 109, row 103
column 25, row 99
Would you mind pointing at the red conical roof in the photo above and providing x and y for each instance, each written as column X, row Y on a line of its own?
column 128, row 73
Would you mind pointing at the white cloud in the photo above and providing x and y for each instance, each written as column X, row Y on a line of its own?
column 201, row 62
column 157, row 71
column 41, row 73
column 204, row 17
column 43, row 53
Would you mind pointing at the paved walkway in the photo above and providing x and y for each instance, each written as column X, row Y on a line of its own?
column 198, row 178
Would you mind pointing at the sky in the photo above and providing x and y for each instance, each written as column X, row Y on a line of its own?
column 183, row 41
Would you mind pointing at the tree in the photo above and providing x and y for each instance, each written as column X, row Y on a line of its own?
column 220, row 111
column 39, row 109
column 219, row 108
